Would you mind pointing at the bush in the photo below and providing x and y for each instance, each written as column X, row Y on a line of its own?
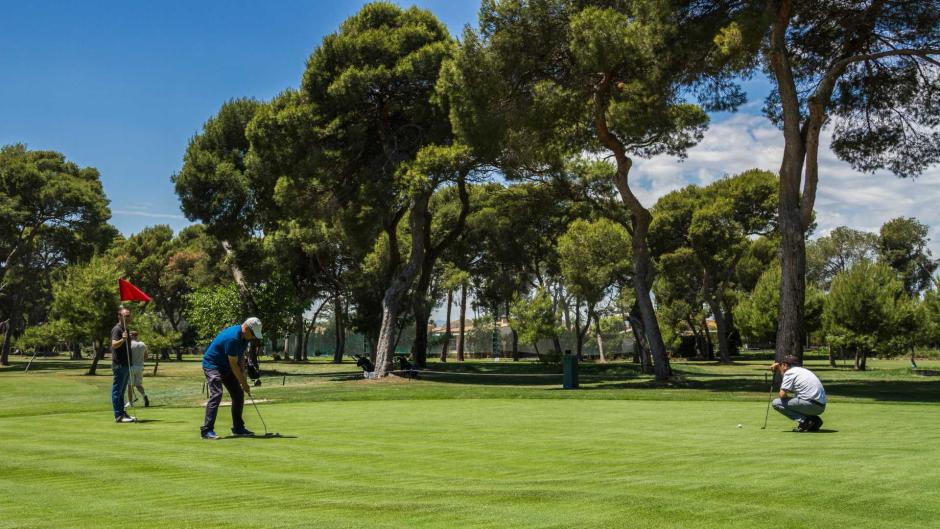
column 868, row 311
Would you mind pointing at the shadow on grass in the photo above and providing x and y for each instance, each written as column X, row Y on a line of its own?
column 52, row 365
column 522, row 374
column 927, row 391
column 261, row 437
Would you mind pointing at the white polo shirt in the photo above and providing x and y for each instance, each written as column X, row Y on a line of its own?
column 138, row 351
column 803, row 384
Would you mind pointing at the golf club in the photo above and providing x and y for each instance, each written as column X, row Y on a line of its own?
column 31, row 361
column 769, row 400
column 266, row 432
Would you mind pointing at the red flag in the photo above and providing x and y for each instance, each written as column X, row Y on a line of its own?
column 131, row 293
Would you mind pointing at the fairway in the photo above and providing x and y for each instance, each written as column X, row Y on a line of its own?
column 437, row 454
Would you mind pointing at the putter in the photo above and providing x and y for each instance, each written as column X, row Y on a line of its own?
column 769, row 400
column 266, row 432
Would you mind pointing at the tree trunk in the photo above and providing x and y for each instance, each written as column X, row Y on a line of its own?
column 11, row 324
column 7, row 338
column 461, row 337
column 566, row 311
column 446, row 345
column 641, row 218
column 734, row 336
column 99, row 352
column 636, row 348
column 600, row 342
column 643, row 353
column 239, row 279
column 306, row 343
column 709, row 344
column 394, row 294
column 793, row 284
column 832, row 357
column 721, row 323
column 420, row 302
column 642, row 269
column 578, row 340
column 861, row 355
column 76, row 349
column 312, row 329
column 340, row 330
column 515, row 336
column 301, row 340
column 419, row 347
column 794, row 207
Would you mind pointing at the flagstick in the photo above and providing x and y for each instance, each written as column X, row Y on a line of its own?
column 127, row 347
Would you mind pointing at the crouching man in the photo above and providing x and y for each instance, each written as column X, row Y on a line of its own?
column 802, row 397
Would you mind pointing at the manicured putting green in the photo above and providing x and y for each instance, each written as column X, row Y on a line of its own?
column 469, row 463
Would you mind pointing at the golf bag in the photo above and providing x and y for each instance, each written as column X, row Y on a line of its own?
column 252, row 369
column 364, row 363
column 405, row 367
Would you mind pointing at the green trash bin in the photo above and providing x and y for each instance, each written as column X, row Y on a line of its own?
column 570, row 369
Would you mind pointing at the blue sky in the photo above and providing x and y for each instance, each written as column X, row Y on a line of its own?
column 122, row 86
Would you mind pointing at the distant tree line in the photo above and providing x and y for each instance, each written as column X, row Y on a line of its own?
column 410, row 168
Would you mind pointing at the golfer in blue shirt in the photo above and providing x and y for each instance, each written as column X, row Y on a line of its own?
column 223, row 365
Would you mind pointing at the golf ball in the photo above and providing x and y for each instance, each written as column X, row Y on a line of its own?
column 740, row 426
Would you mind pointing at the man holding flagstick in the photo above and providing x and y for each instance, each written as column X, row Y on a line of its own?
column 121, row 351
column 120, row 366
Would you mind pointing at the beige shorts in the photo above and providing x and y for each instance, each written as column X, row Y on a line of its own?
column 137, row 375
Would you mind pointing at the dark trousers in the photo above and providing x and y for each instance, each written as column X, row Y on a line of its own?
column 118, row 385
column 215, row 380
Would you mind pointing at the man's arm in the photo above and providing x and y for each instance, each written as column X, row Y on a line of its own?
column 239, row 374
column 118, row 339
column 776, row 369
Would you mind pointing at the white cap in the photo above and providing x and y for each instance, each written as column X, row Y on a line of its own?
column 255, row 325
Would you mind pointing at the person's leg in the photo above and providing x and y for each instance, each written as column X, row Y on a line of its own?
column 131, row 397
column 784, row 406
column 138, row 381
column 118, row 383
column 238, row 399
column 214, row 381
column 805, row 408
column 799, row 410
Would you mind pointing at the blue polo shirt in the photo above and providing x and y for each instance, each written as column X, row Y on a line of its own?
column 228, row 343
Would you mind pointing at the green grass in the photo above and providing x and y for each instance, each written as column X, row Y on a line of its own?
column 506, row 451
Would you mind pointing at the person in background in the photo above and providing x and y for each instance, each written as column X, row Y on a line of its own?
column 120, row 366
column 138, row 356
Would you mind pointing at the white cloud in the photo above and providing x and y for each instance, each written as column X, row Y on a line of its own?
column 845, row 197
column 148, row 214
